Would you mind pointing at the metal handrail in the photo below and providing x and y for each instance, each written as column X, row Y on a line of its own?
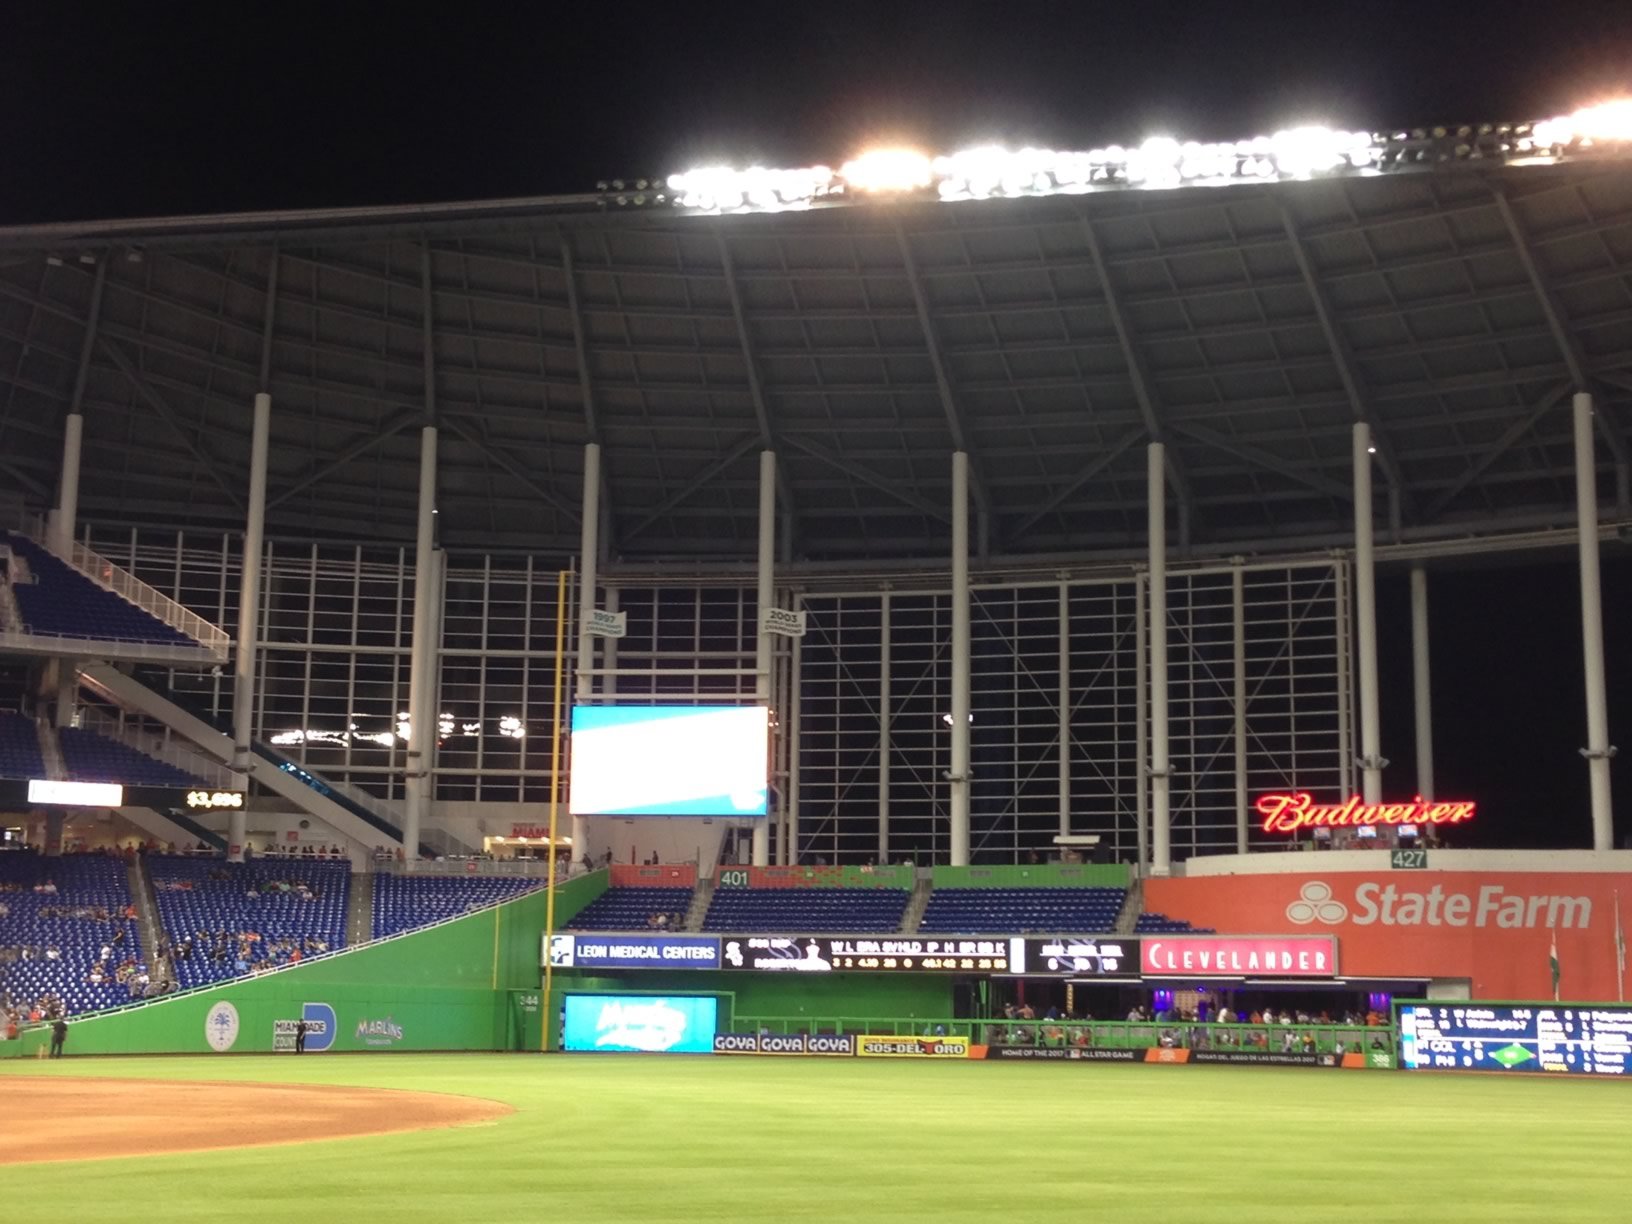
column 161, row 748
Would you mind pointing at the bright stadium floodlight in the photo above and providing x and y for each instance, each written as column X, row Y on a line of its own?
column 992, row 172
column 881, row 170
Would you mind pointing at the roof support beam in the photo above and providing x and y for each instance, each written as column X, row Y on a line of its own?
column 211, row 465
column 586, row 391
column 1144, row 388
column 962, row 440
column 1261, row 458
column 756, row 386
column 1553, row 312
column 463, row 427
column 1347, row 371
column 1065, row 492
column 23, row 478
column 359, row 445
column 1503, row 444
column 869, row 477
column 706, row 476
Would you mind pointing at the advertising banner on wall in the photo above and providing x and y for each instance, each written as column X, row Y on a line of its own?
column 1300, row 956
column 1494, row 929
column 871, row 954
column 320, row 1028
column 633, row 951
column 636, row 1024
column 871, row 1046
column 830, row 1045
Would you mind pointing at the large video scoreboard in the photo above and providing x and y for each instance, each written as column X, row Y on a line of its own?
column 1581, row 1040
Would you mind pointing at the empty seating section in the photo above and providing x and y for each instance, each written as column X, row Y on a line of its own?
column 815, row 911
column 630, row 909
column 996, row 911
column 402, row 903
column 19, row 748
column 82, row 916
column 62, row 602
column 1160, row 924
column 95, row 758
column 223, row 919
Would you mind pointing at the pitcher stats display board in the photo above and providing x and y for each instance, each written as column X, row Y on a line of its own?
column 669, row 760
column 1557, row 1037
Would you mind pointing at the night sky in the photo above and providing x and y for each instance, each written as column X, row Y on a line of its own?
column 146, row 109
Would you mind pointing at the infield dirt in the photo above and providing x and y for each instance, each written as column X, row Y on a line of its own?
column 63, row 1118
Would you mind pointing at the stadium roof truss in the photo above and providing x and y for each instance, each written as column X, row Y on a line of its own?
column 1247, row 326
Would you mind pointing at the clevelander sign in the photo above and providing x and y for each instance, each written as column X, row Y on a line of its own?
column 1491, row 928
column 1312, row 956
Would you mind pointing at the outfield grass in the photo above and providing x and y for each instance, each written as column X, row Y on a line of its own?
column 614, row 1138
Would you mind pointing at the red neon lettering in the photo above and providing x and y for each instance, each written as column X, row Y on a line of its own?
column 1284, row 813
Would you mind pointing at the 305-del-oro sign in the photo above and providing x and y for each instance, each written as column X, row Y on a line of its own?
column 1287, row 813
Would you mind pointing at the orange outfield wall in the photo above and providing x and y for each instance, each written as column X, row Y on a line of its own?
column 1492, row 928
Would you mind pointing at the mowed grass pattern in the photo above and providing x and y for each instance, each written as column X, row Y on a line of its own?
column 653, row 1139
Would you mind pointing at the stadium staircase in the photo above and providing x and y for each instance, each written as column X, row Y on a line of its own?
column 921, row 890
column 1127, row 922
column 360, row 910
column 147, row 920
column 50, row 751
column 698, row 909
column 89, row 607
column 350, row 812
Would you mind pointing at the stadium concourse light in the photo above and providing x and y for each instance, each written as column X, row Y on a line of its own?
column 994, row 172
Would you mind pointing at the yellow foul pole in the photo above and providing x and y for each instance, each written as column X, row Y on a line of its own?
column 555, row 796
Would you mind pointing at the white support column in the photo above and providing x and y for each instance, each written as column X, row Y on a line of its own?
column 609, row 649
column 1063, row 700
column 1598, row 750
column 1161, row 857
column 796, row 671
column 1141, row 718
column 1421, row 692
column 589, row 550
column 884, row 749
column 62, row 525
column 422, row 659
column 958, row 772
column 1238, row 617
column 766, row 599
column 249, row 603
column 1365, row 603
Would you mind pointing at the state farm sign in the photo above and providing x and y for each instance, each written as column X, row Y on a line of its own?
column 1390, row 905
column 1493, row 929
column 1313, row 956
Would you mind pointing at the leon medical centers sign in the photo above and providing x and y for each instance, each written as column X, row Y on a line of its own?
column 1493, row 928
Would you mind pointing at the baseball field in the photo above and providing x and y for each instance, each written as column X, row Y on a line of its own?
column 615, row 1138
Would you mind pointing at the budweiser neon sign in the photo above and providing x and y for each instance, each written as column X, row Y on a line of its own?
column 1289, row 813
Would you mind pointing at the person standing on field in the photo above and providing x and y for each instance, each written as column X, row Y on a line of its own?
column 300, row 1036
column 59, row 1034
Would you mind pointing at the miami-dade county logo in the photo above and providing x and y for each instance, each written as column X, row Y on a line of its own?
column 1315, row 904
column 221, row 1027
column 652, row 1027
column 380, row 1032
column 320, row 1029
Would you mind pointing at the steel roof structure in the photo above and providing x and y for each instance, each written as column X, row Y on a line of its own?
column 1248, row 326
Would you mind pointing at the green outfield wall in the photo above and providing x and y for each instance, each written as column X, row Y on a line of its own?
column 1035, row 875
column 461, row 985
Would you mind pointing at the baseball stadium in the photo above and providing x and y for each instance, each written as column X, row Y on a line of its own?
column 841, row 693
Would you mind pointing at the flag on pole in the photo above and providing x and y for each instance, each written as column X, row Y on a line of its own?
column 1552, row 960
column 1620, row 952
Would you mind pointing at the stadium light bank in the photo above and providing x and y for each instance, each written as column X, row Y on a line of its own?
column 993, row 172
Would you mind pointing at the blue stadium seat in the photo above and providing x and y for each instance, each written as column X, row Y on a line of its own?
column 402, row 903
column 19, row 748
column 199, row 898
column 62, row 602
column 815, row 911
column 1150, row 923
column 82, row 880
column 995, row 911
column 95, row 758
column 630, row 909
